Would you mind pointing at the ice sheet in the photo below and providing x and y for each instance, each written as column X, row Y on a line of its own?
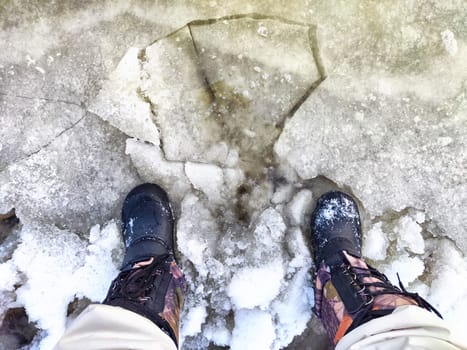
column 199, row 111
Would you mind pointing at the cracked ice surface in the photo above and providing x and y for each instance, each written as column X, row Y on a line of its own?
column 205, row 106
column 43, row 187
column 395, row 148
column 217, row 132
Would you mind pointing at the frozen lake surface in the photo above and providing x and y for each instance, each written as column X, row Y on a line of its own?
column 245, row 113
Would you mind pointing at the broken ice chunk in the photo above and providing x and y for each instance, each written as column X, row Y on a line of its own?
column 207, row 178
column 409, row 234
column 152, row 167
column 270, row 227
column 121, row 103
column 176, row 85
column 282, row 194
column 375, row 243
column 299, row 207
column 197, row 232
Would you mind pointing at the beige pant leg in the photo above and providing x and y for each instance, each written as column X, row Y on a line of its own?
column 109, row 327
column 408, row 327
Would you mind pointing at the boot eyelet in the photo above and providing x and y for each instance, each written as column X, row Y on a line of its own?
column 369, row 302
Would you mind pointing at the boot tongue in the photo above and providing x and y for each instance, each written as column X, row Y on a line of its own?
column 336, row 259
column 348, row 288
column 332, row 252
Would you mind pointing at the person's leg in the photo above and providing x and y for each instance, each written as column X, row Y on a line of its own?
column 358, row 305
column 142, row 307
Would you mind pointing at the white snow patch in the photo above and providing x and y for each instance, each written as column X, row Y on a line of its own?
column 375, row 243
column 253, row 330
column 301, row 253
column 293, row 311
column 194, row 320
column 282, row 194
column 334, row 208
column 98, row 263
column 40, row 69
column 218, row 335
column 255, row 286
column 408, row 268
column 232, row 179
column 58, row 267
column 449, row 288
column 8, row 276
column 262, row 30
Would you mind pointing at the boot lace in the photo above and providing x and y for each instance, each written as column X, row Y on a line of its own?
column 368, row 291
column 137, row 283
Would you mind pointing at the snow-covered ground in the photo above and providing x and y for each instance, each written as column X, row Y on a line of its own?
column 245, row 121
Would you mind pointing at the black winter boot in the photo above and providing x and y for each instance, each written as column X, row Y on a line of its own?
column 348, row 292
column 150, row 282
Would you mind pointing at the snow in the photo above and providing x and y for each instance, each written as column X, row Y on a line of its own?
column 336, row 208
column 282, row 194
column 410, row 235
column 299, row 207
column 59, row 266
column 8, row 276
column 196, row 232
column 409, row 268
column 253, row 330
column 235, row 120
column 375, row 243
column 152, row 167
column 218, row 335
column 255, row 287
column 194, row 319
column 449, row 287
